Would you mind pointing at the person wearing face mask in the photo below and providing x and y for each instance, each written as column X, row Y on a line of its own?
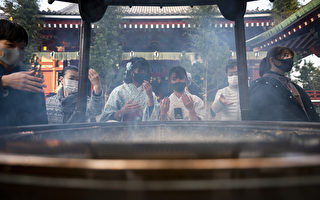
column 61, row 107
column 22, row 100
column 226, row 104
column 134, row 99
column 274, row 97
column 181, row 105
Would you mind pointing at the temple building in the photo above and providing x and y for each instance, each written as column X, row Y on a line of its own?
column 300, row 32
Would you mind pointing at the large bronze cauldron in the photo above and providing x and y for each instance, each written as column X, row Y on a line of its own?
column 178, row 160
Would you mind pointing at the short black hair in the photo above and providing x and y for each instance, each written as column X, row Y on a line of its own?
column 230, row 65
column 69, row 67
column 136, row 62
column 274, row 52
column 179, row 71
column 12, row 32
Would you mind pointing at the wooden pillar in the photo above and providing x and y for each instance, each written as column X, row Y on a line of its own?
column 83, row 70
column 240, row 38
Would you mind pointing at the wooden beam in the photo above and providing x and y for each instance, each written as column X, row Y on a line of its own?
column 303, row 39
column 313, row 39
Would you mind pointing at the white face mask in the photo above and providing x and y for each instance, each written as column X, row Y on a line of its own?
column 71, row 86
column 10, row 56
column 233, row 80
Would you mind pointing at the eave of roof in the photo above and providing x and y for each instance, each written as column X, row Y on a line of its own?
column 161, row 3
column 72, row 9
column 294, row 18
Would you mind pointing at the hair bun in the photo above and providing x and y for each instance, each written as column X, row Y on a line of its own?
column 264, row 66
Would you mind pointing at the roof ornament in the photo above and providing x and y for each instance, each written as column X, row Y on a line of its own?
column 156, row 54
column 131, row 54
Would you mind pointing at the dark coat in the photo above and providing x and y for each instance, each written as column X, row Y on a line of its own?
column 61, row 109
column 270, row 100
column 19, row 107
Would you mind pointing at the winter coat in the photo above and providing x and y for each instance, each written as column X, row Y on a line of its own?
column 270, row 100
column 61, row 109
column 19, row 107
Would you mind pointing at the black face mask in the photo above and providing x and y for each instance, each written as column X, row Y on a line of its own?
column 286, row 65
column 179, row 86
column 140, row 77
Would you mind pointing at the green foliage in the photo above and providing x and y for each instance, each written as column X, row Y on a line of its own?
column 309, row 76
column 282, row 9
column 106, row 51
column 213, row 54
column 25, row 13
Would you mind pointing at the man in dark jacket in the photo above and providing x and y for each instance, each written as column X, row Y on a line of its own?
column 22, row 99
column 275, row 97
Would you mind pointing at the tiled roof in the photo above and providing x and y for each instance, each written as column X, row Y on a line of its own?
column 286, row 24
column 73, row 9
column 152, row 10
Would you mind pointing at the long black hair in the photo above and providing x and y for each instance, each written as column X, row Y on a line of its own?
column 274, row 52
column 132, row 64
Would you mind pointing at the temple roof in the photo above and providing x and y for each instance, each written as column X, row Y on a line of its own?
column 145, row 10
column 138, row 15
column 73, row 9
column 292, row 30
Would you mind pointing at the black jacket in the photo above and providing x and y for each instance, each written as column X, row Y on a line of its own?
column 19, row 107
column 270, row 100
